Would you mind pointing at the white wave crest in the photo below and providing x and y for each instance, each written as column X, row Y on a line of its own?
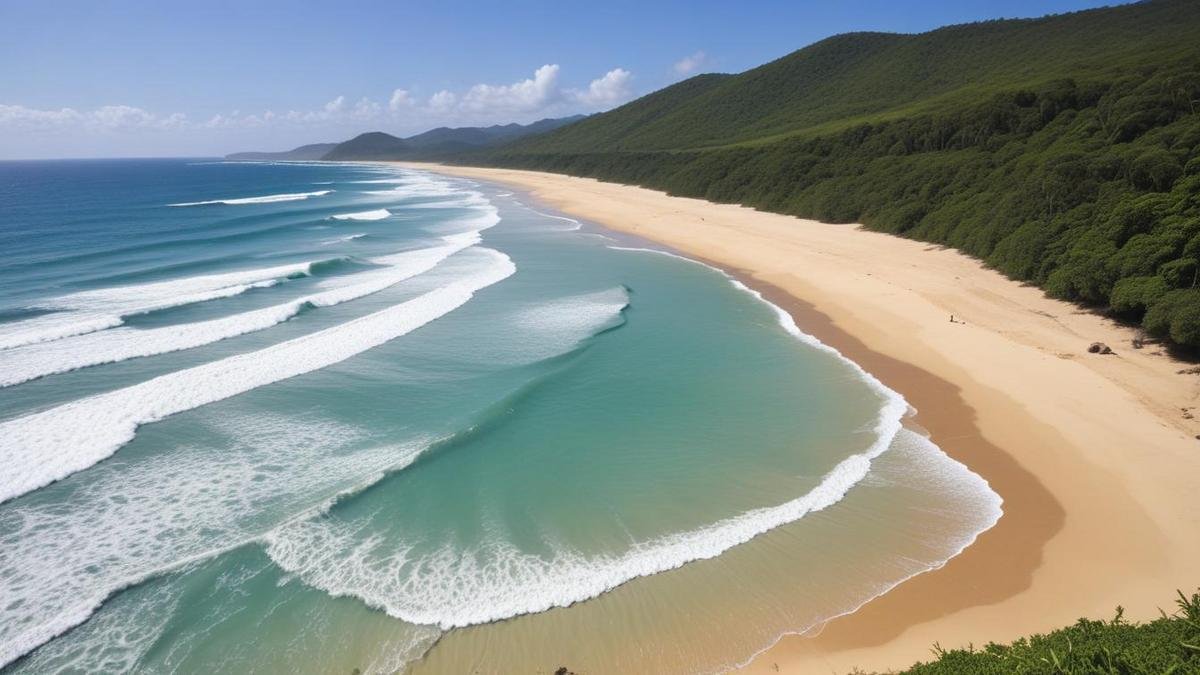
column 342, row 240
column 265, row 199
column 98, row 309
column 485, row 217
column 556, row 326
column 66, row 324
column 43, row 447
column 53, row 327
column 29, row 362
column 428, row 191
column 452, row 588
column 377, row 214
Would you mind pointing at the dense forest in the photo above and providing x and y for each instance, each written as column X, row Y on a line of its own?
column 1170, row 644
column 1062, row 151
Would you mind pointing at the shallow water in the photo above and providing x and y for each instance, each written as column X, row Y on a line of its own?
column 318, row 417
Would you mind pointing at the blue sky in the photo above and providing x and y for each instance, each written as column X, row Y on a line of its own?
column 162, row 78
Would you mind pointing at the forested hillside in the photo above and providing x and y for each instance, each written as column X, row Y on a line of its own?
column 1063, row 151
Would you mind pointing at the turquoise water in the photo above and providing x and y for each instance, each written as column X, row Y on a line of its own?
column 319, row 417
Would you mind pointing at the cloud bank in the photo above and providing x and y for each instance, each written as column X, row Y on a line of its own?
column 105, row 118
column 541, row 94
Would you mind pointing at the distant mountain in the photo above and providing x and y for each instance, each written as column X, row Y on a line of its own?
column 1063, row 151
column 371, row 145
column 446, row 141
column 304, row 152
column 440, row 143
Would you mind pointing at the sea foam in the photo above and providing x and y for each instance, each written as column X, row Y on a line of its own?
column 454, row 588
column 265, row 199
column 139, row 520
column 98, row 309
column 427, row 190
column 43, row 447
column 556, row 326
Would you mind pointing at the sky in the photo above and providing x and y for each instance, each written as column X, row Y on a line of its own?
column 158, row 78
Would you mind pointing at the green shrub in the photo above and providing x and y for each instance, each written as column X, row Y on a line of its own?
column 1170, row 644
column 1176, row 315
column 1132, row 296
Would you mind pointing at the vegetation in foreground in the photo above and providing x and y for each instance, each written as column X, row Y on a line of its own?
column 1063, row 151
column 1167, row 645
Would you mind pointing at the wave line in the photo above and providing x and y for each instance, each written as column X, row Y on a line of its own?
column 43, row 447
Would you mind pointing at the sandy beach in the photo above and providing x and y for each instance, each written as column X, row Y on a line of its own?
column 1094, row 455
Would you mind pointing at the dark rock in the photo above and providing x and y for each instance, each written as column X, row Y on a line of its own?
column 1099, row 348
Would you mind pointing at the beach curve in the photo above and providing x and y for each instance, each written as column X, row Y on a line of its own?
column 1090, row 453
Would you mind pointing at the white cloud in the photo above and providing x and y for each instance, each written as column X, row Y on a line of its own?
column 541, row 94
column 527, row 95
column 235, row 120
column 400, row 100
column 608, row 91
column 109, row 117
column 335, row 106
column 366, row 109
column 129, row 117
column 691, row 63
column 443, row 101
column 333, row 111
column 20, row 117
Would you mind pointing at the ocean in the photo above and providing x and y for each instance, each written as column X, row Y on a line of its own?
column 319, row 417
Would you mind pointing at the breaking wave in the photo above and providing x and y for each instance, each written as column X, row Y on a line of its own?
column 29, row 362
column 46, row 446
column 376, row 214
column 98, row 309
column 265, row 199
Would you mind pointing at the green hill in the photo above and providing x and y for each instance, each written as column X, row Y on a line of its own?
column 860, row 75
column 372, row 145
column 448, row 141
column 433, row 144
column 304, row 152
column 1064, row 151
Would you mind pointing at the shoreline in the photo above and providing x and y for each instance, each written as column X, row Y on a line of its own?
column 998, row 392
